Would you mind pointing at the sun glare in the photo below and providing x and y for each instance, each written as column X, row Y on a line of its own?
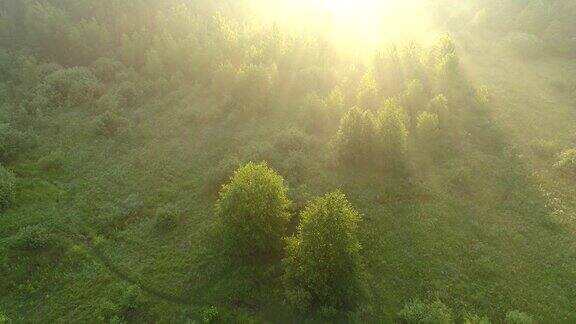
column 358, row 22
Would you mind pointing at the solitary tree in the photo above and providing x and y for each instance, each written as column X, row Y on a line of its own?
column 253, row 209
column 323, row 266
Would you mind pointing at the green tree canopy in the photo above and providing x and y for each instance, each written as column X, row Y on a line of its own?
column 253, row 209
column 323, row 263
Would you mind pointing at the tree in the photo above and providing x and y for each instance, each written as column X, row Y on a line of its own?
column 323, row 263
column 368, row 93
column 439, row 106
column 70, row 87
column 392, row 135
column 414, row 99
column 253, row 210
column 7, row 183
column 357, row 137
column 428, row 130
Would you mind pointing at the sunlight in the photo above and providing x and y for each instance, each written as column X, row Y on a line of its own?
column 361, row 23
column 373, row 21
column 356, row 19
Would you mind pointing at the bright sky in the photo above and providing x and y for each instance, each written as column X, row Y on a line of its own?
column 358, row 22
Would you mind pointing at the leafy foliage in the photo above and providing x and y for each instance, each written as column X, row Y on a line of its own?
column 253, row 209
column 323, row 266
column 417, row 312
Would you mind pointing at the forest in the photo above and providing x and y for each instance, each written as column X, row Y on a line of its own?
column 277, row 161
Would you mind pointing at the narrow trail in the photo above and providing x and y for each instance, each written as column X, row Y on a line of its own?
column 120, row 274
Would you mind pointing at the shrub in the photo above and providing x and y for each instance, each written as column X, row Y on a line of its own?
column 7, row 183
column 33, row 237
column 110, row 124
column 3, row 318
column 167, row 218
column 11, row 142
column 418, row 312
column 567, row 162
column 210, row 314
column 322, row 265
column 475, row 319
column 253, row 209
column 517, row 317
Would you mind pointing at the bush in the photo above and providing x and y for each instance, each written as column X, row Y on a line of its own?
column 167, row 218
column 7, row 184
column 517, row 317
column 33, row 237
column 3, row 318
column 210, row 314
column 11, row 142
column 475, row 319
column 253, row 209
column 323, row 265
column 418, row 312
column 567, row 162
column 109, row 124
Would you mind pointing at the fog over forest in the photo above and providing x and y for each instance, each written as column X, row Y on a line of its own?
column 277, row 161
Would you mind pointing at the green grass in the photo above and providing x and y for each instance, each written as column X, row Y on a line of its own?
column 474, row 231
